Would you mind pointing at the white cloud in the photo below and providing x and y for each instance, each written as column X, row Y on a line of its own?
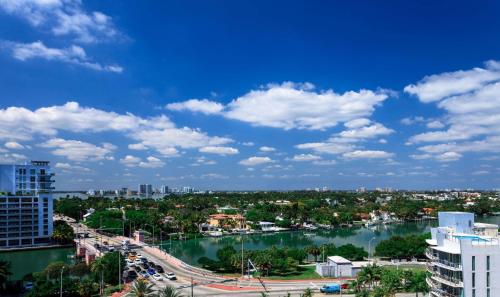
column 213, row 176
column 357, row 123
column 448, row 157
column 325, row 162
column 14, row 145
column 367, row 154
column 293, row 106
column 70, row 168
column 471, row 102
column 248, row 143
column 78, row 150
column 299, row 106
column 151, row 162
column 220, row 150
column 74, row 54
column 372, row 131
column 130, row 161
column 252, row 161
column 195, row 105
column 333, row 148
column 305, row 158
column 157, row 133
column 11, row 158
column 63, row 165
column 137, row 146
column 436, row 87
column 63, row 17
column 267, row 149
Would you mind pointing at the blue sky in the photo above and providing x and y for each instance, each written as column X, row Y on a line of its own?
column 243, row 95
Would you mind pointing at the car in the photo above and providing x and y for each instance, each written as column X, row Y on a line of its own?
column 159, row 269
column 151, row 271
column 330, row 288
column 137, row 269
column 170, row 276
column 28, row 286
column 144, row 274
column 144, row 260
column 132, row 274
column 151, row 263
column 157, row 277
column 345, row 286
column 137, row 262
column 145, row 266
column 129, row 263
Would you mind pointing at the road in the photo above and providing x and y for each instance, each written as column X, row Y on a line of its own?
column 206, row 284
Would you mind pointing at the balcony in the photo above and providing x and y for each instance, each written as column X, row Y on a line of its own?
column 430, row 254
column 449, row 281
column 441, row 293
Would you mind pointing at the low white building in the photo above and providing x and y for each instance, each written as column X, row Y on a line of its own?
column 337, row 266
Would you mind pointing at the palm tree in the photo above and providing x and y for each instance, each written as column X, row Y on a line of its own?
column 98, row 267
column 141, row 288
column 87, row 287
column 4, row 273
column 315, row 251
column 169, row 291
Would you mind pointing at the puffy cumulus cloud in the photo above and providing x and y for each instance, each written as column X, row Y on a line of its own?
column 324, row 162
column 267, row 149
column 436, row 87
column 305, row 158
column 63, row 18
column 78, row 150
column 367, row 154
column 248, row 143
column 195, row 105
column 300, row 106
column 471, row 102
column 71, row 168
column 151, row 162
column 137, row 147
column 157, row 133
column 329, row 147
column 74, row 55
column 220, row 150
column 14, row 145
column 357, row 123
column 371, row 131
column 293, row 106
column 441, row 157
column 252, row 161
column 11, row 158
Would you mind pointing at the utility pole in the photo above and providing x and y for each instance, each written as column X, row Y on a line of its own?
column 242, row 264
column 192, row 287
column 119, row 271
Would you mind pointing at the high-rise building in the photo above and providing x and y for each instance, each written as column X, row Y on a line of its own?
column 25, row 204
column 164, row 190
column 464, row 257
column 145, row 190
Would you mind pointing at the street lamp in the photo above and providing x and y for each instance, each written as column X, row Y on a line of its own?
column 60, row 290
column 370, row 247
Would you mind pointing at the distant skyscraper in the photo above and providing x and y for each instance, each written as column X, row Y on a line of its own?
column 25, row 204
column 145, row 190
column 164, row 190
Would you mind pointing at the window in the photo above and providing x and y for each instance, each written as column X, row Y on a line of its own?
column 487, row 262
column 488, row 292
column 488, row 279
column 473, row 279
column 473, row 263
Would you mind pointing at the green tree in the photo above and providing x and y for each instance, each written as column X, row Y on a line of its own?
column 4, row 273
column 87, row 287
column 141, row 288
column 98, row 267
column 314, row 251
column 169, row 291
column 308, row 292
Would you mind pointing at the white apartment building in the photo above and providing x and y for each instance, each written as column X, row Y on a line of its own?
column 464, row 257
column 25, row 204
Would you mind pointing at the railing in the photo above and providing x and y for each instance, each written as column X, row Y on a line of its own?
column 442, row 293
column 430, row 254
column 448, row 264
column 448, row 280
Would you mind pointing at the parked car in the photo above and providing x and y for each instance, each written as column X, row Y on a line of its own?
column 159, row 269
column 151, row 263
column 144, row 274
column 330, row 288
column 157, row 277
column 145, row 266
column 137, row 269
column 143, row 260
column 137, row 262
column 170, row 276
column 151, row 271
column 132, row 274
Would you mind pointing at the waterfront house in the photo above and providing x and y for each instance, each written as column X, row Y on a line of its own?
column 227, row 221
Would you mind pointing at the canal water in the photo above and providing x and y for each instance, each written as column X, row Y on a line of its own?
column 23, row 262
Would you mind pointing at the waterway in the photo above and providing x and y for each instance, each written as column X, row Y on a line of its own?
column 27, row 261
column 190, row 251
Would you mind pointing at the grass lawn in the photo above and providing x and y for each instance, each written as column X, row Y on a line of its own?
column 306, row 272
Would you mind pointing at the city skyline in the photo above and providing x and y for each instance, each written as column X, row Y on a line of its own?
column 343, row 95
